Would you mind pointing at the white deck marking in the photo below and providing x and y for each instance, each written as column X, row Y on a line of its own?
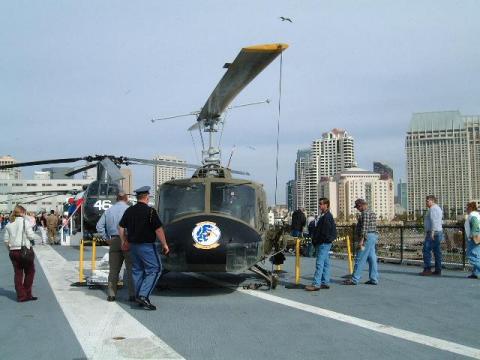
column 95, row 321
column 369, row 325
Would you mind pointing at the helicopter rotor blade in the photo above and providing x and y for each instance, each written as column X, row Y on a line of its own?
column 40, row 162
column 162, row 162
column 79, row 170
column 247, row 65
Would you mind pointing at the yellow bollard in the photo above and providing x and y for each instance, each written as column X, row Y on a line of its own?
column 94, row 254
column 81, row 263
column 349, row 251
column 297, row 261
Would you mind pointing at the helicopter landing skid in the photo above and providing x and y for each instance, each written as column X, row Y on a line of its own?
column 272, row 279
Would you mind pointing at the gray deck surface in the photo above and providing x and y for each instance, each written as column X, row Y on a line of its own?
column 200, row 320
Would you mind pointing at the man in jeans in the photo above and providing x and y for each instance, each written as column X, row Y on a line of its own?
column 433, row 237
column 367, row 235
column 323, row 235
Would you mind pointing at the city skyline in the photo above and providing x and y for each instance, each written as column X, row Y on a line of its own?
column 93, row 75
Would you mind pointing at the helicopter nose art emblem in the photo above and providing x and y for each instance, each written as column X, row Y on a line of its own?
column 206, row 235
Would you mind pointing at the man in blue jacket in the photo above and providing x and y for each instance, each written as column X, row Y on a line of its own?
column 323, row 235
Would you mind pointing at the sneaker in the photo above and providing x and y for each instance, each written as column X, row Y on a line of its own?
column 370, row 282
column 312, row 288
column 349, row 282
column 324, row 286
column 145, row 303
column 426, row 272
column 472, row 276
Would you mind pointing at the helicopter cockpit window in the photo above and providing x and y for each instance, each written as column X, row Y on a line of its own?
column 177, row 200
column 103, row 189
column 236, row 200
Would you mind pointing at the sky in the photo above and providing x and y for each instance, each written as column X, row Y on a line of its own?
column 85, row 77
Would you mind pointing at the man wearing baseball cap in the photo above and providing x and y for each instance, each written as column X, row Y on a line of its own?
column 367, row 235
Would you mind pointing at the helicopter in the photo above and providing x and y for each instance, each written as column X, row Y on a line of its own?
column 101, row 193
column 212, row 221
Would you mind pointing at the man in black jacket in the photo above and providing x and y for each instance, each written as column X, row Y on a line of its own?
column 324, row 234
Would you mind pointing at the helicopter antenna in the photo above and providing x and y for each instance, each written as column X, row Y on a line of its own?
column 201, row 138
column 223, row 127
column 230, row 158
column 194, row 146
column 278, row 125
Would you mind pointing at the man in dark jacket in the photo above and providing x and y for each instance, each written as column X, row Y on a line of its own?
column 298, row 222
column 323, row 235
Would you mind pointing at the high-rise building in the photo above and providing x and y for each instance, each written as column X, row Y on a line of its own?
column 329, row 155
column 9, row 174
column 443, row 159
column 385, row 171
column 163, row 173
column 402, row 194
column 355, row 183
column 301, row 167
column 290, row 193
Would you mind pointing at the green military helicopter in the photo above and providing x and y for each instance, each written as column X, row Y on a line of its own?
column 213, row 221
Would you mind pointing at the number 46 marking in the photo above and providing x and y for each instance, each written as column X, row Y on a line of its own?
column 103, row 204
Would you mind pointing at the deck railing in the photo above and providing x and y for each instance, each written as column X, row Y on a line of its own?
column 403, row 244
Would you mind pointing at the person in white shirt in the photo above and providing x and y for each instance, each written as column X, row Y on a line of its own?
column 19, row 233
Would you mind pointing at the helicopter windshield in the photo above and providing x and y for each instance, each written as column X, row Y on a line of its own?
column 177, row 200
column 237, row 200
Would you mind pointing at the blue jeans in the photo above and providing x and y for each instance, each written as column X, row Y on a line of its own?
column 473, row 253
column 432, row 244
column 146, row 268
column 368, row 254
column 322, row 265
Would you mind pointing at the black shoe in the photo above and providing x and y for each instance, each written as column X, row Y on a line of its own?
column 145, row 303
column 111, row 298
column 472, row 276
column 370, row 282
column 324, row 286
column 132, row 299
column 349, row 282
column 437, row 273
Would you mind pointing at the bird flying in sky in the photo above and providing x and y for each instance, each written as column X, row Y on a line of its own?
column 283, row 18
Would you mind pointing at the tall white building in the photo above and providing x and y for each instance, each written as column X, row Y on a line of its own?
column 163, row 173
column 355, row 183
column 13, row 173
column 329, row 155
column 443, row 159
